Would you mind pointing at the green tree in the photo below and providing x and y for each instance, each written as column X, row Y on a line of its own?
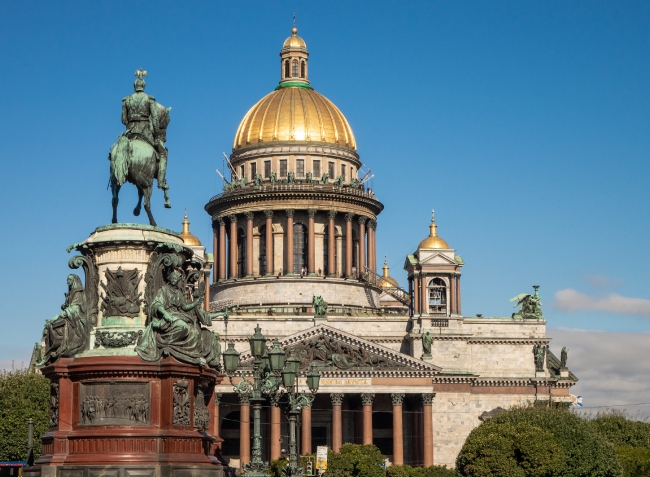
column 23, row 395
column 537, row 441
column 408, row 471
column 355, row 460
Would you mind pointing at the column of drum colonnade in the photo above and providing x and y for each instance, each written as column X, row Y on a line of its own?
column 423, row 423
column 225, row 239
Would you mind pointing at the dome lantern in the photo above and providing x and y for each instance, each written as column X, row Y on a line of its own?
column 294, row 56
column 433, row 241
column 188, row 237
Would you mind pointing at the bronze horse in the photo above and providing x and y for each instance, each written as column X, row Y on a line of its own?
column 136, row 161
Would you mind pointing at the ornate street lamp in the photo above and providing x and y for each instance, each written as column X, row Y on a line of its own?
column 275, row 377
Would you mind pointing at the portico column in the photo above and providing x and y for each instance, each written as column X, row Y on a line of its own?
column 366, row 401
column 416, row 293
column 427, row 410
column 289, row 270
column 337, row 421
column 423, row 295
column 233, row 246
column 276, row 447
column 249, row 243
column 269, row 242
column 362, row 247
column 372, row 251
column 305, row 448
column 458, row 302
column 398, row 436
column 412, row 311
column 244, row 431
column 206, row 297
column 331, row 242
column 222, row 249
column 452, row 294
column 348, row 245
column 216, row 415
column 311, row 254
column 215, row 254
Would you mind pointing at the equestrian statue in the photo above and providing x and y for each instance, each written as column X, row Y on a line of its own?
column 139, row 156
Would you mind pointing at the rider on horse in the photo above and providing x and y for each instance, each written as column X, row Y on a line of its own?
column 141, row 116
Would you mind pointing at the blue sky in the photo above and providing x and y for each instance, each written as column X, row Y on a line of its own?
column 524, row 124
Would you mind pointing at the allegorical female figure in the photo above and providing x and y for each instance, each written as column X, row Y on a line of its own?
column 175, row 327
column 66, row 334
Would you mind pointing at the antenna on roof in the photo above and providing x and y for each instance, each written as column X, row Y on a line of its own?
column 232, row 169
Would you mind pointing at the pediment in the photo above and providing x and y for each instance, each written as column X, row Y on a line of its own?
column 437, row 259
column 336, row 352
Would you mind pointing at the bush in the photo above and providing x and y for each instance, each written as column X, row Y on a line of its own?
column 355, row 460
column 408, row 471
column 537, row 442
column 23, row 395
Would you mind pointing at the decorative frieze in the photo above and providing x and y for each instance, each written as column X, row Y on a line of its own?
column 122, row 255
column 114, row 404
column 116, row 339
column 181, row 410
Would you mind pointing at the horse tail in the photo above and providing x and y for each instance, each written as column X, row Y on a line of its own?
column 120, row 160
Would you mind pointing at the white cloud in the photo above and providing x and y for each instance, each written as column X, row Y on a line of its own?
column 570, row 300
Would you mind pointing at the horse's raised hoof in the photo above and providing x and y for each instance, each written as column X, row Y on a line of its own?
column 136, row 211
column 153, row 223
column 168, row 205
column 114, row 221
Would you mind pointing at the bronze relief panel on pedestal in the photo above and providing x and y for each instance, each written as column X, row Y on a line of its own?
column 114, row 404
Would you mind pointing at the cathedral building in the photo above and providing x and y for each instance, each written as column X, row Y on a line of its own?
column 401, row 368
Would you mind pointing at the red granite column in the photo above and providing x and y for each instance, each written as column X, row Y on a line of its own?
column 249, row 243
column 222, row 249
column 372, row 250
column 337, row 421
column 289, row 269
column 276, row 447
column 362, row 247
column 269, row 242
column 424, row 306
column 305, row 448
column 452, row 294
column 233, row 245
column 311, row 254
column 427, row 409
column 398, row 434
column 215, row 254
column 348, row 245
column 366, row 401
column 331, row 244
column 206, row 278
column 416, row 293
column 244, row 431
column 458, row 294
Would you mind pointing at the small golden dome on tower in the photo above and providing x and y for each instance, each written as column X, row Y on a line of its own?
column 433, row 241
column 294, row 41
column 387, row 277
column 189, row 238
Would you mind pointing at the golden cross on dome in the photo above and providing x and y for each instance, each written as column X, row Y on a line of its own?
column 432, row 213
column 294, row 20
column 140, row 73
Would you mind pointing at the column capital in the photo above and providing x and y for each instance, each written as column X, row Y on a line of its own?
column 398, row 399
column 290, row 212
column 306, row 404
column 331, row 214
column 337, row 399
column 249, row 215
column 220, row 221
column 217, row 398
column 427, row 398
column 232, row 218
column 244, row 399
column 349, row 217
column 367, row 398
column 311, row 213
column 362, row 219
column 268, row 213
column 372, row 224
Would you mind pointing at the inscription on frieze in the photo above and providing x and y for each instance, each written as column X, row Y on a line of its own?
column 114, row 404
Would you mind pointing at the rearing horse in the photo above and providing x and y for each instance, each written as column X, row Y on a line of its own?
column 136, row 161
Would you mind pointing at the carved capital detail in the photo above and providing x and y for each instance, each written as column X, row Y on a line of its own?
column 349, row 217
column 362, row 219
column 331, row 214
column 232, row 218
column 244, row 399
column 367, row 398
column 311, row 213
column 372, row 224
column 220, row 221
column 290, row 212
column 427, row 398
column 398, row 399
column 217, row 398
column 337, row 399
column 249, row 215
column 268, row 213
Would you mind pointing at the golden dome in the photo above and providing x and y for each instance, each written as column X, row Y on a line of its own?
column 189, row 238
column 294, row 41
column 433, row 241
column 387, row 277
column 294, row 113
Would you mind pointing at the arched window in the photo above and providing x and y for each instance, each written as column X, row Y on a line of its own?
column 263, row 250
column 299, row 248
column 302, row 69
column 241, row 253
column 437, row 296
column 286, row 69
column 294, row 68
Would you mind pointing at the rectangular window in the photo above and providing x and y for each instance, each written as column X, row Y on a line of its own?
column 253, row 170
column 300, row 168
column 267, row 169
column 241, row 171
column 343, row 171
column 315, row 169
column 283, row 168
column 330, row 170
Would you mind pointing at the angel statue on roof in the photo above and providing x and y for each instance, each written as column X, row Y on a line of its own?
column 531, row 306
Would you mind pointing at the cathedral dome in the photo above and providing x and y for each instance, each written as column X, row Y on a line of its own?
column 387, row 278
column 433, row 241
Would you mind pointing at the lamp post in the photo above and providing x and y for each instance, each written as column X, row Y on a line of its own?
column 274, row 377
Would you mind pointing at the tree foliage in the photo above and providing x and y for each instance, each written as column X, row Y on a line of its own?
column 537, row 442
column 23, row 395
column 355, row 460
column 408, row 471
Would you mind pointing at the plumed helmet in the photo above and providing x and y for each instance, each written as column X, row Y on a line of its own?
column 139, row 85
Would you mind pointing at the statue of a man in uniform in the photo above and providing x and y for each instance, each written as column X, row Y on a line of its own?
column 142, row 117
